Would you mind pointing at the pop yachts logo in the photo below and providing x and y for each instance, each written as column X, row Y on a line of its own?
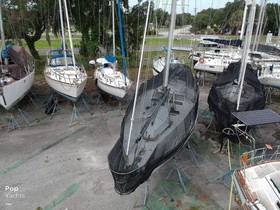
column 13, row 192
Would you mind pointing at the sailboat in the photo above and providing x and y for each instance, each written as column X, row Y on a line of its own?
column 108, row 79
column 158, row 121
column 17, row 72
column 159, row 64
column 62, row 73
column 238, row 88
column 257, row 180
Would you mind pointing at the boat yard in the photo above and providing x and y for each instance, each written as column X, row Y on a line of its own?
column 60, row 161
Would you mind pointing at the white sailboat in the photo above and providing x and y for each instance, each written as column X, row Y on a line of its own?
column 17, row 72
column 159, row 63
column 62, row 73
column 257, row 180
column 109, row 80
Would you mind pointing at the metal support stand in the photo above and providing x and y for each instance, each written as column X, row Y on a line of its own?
column 35, row 104
column 146, row 193
column 26, row 116
column 13, row 125
column 74, row 117
column 181, row 174
column 85, row 102
column 193, row 154
column 268, row 96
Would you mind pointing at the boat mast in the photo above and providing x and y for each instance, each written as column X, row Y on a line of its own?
column 113, row 29
column 170, row 41
column 244, row 20
column 138, row 78
column 245, row 51
column 69, row 34
column 259, row 26
column 62, row 32
column 122, row 43
column 1, row 27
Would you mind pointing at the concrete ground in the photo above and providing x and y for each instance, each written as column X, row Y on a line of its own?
column 60, row 162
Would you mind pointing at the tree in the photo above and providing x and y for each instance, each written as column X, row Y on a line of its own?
column 26, row 19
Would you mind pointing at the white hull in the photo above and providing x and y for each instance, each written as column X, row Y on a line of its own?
column 111, row 90
column 270, row 76
column 257, row 182
column 210, row 68
column 159, row 64
column 111, row 81
column 66, row 84
column 16, row 90
column 273, row 81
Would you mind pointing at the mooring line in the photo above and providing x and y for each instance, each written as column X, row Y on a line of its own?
column 15, row 165
column 67, row 193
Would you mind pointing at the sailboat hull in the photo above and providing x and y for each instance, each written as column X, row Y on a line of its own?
column 16, row 90
column 17, row 76
column 160, row 140
column 112, row 82
column 66, row 84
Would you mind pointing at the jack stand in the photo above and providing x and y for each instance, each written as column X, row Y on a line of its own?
column 74, row 116
column 146, row 193
column 98, row 98
column 13, row 125
column 25, row 116
column 35, row 104
column 193, row 154
column 180, row 172
column 224, row 178
column 268, row 96
column 86, row 105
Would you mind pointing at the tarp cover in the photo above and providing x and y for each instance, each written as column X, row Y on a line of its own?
column 222, row 98
column 18, row 62
column 235, row 42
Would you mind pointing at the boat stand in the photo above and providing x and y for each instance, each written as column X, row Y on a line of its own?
column 192, row 153
column 27, row 118
column 268, row 94
column 85, row 101
column 75, row 116
column 180, row 172
column 33, row 101
column 13, row 125
column 98, row 98
column 146, row 192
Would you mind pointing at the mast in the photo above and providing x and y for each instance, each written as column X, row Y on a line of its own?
column 113, row 29
column 62, row 32
column 138, row 78
column 244, row 20
column 259, row 26
column 170, row 41
column 122, row 43
column 69, row 33
column 1, row 27
column 245, row 51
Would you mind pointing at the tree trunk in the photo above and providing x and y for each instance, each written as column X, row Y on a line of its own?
column 31, row 45
column 30, row 41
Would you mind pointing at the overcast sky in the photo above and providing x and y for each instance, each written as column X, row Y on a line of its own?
column 199, row 4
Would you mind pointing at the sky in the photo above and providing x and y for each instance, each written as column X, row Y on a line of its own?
column 199, row 4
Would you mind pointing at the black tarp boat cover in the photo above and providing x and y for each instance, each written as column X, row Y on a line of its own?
column 223, row 95
column 235, row 42
column 128, row 177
